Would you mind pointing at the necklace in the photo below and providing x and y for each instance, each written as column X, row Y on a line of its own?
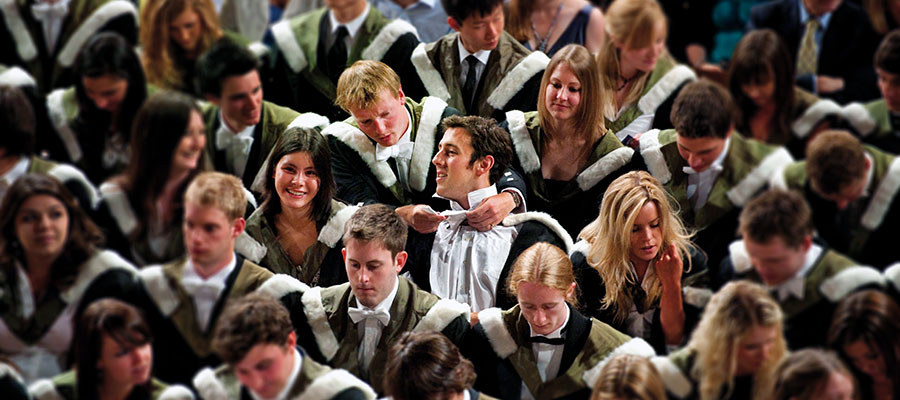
column 542, row 46
column 625, row 81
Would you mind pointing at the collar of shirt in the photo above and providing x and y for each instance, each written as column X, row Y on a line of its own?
column 475, row 197
column 481, row 55
column 556, row 333
column 352, row 26
column 466, row 395
column 794, row 285
column 190, row 275
column 14, row 173
column 225, row 129
column 651, row 271
column 286, row 390
column 44, row 9
column 405, row 138
column 805, row 16
column 716, row 166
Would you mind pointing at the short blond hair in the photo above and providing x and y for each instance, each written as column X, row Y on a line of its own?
column 544, row 264
column 360, row 85
column 220, row 190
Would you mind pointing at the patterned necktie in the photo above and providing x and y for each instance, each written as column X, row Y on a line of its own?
column 808, row 55
column 469, row 86
column 337, row 54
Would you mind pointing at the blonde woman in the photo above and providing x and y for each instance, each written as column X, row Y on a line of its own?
column 735, row 350
column 639, row 78
column 548, row 25
column 631, row 263
column 543, row 348
column 628, row 376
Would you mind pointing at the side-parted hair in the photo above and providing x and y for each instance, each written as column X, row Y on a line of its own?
column 803, row 374
column 887, row 57
column 219, row 190
column 159, row 50
column 311, row 142
column 377, row 222
column 736, row 308
column 544, row 264
column 634, row 24
column 702, row 109
column 835, row 159
column 18, row 122
column 121, row 322
column 487, row 139
column 253, row 319
column 82, row 239
column 589, row 120
column 361, row 84
column 426, row 365
column 462, row 9
column 224, row 59
column 777, row 213
column 629, row 376
column 610, row 237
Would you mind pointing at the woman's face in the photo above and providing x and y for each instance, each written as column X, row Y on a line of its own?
column 542, row 306
column 644, row 59
column 121, row 365
column 563, row 94
column 190, row 147
column 186, row 30
column 762, row 94
column 755, row 349
column 646, row 234
column 107, row 91
column 866, row 359
column 42, row 226
column 296, row 181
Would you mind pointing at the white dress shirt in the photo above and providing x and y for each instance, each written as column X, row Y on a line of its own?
column 548, row 356
column 796, row 284
column 14, row 173
column 286, row 390
column 701, row 183
column 481, row 55
column 236, row 145
column 205, row 292
column 466, row 263
column 401, row 152
column 370, row 329
column 352, row 28
column 51, row 17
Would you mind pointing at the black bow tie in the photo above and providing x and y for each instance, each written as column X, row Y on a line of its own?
column 543, row 339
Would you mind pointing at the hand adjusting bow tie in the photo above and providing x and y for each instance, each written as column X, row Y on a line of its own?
column 43, row 11
column 358, row 315
column 399, row 150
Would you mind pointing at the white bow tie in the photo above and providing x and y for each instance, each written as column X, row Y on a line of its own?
column 358, row 315
column 225, row 140
column 45, row 11
column 712, row 168
column 195, row 287
column 400, row 150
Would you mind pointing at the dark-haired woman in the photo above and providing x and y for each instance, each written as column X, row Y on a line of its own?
column 50, row 266
column 113, row 360
column 297, row 229
column 141, row 209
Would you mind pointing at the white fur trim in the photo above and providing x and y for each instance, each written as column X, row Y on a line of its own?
column 676, row 382
column 119, row 207
column 386, row 38
column 158, row 287
column 606, row 165
column 697, row 297
column 57, row 113
column 15, row 76
column 849, row 280
column 883, row 197
column 741, row 193
column 664, row 88
column 258, row 49
column 521, row 139
column 515, row 79
column 318, row 321
column 309, row 120
column 251, row 200
column 423, row 150
column 813, row 115
column 66, row 173
column 100, row 17
column 280, row 285
column 44, row 389
column 335, row 381
column 892, row 275
column 333, row 230
column 582, row 246
column 430, row 77
column 357, row 140
column 442, row 314
column 635, row 346
column 858, row 117
column 293, row 54
column 653, row 156
column 8, row 370
column 208, row 386
column 498, row 336
column 101, row 262
column 544, row 218
column 176, row 392
column 248, row 247
column 740, row 259
column 24, row 45
column 778, row 181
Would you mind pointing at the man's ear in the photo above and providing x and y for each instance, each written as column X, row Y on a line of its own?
column 400, row 260
column 237, row 227
column 484, row 165
column 453, row 24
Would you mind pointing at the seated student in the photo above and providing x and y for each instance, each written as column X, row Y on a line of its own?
column 113, row 359
column 884, row 113
column 480, row 69
column 559, row 24
column 635, row 261
column 45, row 36
column 733, row 352
column 350, row 325
column 628, row 376
column 297, row 229
column 382, row 154
column 184, row 298
column 256, row 341
column 807, row 279
column 458, row 262
column 813, row 374
column 851, row 189
column 314, row 48
column 427, row 365
column 543, row 348
column 710, row 170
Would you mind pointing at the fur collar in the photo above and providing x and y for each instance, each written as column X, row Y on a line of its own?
column 854, row 113
column 56, row 110
column 358, row 141
column 67, row 173
column 423, row 150
column 24, row 45
column 513, row 82
column 521, row 139
column 606, row 165
column 741, row 193
column 100, row 263
column 497, row 334
column 333, row 230
column 892, row 275
column 677, row 383
column 543, row 218
column 15, row 76
column 208, row 385
column 849, row 280
column 651, row 150
column 318, row 322
column 386, row 38
column 664, row 88
column 582, row 246
column 635, row 346
column 335, row 381
column 740, row 259
column 100, row 17
column 280, row 285
column 883, row 197
column 287, row 43
column 430, row 77
column 250, row 248
column 441, row 314
column 157, row 285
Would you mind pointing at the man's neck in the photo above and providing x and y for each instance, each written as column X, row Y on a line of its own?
column 233, row 126
column 350, row 12
column 479, row 184
column 207, row 270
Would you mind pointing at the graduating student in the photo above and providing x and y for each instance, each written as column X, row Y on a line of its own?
column 812, row 374
column 884, row 113
column 548, row 26
column 256, row 341
column 184, row 298
column 457, row 261
column 628, row 376
column 480, row 69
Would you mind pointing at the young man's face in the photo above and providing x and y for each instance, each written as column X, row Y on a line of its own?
column 371, row 270
column 267, row 367
column 480, row 32
column 209, row 235
column 890, row 88
column 241, row 100
column 386, row 120
column 456, row 177
column 700, row 153
column 775, row 261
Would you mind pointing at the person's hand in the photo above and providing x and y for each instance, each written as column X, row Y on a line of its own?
column 828, row 84
column 420, row 218
column 669, row 267
column 491, row 211
column 474, row 318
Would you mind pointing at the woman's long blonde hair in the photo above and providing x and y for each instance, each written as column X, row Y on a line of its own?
column 733, row 311
column 610, row 238
column 588, row 120
column 633, row 23
column 157, row 46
